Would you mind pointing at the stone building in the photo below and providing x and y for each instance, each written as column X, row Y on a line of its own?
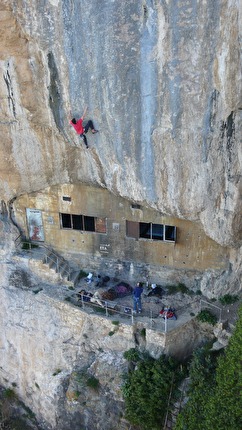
column 101, row 231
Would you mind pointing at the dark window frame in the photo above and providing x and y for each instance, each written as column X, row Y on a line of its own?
column 83, row 223
column 150, row 231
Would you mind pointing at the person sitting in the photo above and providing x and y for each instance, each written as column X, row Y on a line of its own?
column 96, row 298
column 84, row 296
column 155, row 291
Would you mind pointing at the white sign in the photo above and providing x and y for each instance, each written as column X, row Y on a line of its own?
column 35, row 225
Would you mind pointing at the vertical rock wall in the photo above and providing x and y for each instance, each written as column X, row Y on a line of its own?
column 163, row 84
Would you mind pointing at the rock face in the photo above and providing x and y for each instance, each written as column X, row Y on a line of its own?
column 162, row 82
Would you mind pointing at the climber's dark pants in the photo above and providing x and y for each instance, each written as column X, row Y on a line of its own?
column 88, row 125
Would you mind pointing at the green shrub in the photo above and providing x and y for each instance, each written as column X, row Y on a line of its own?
column 228, row 299
column 207, row 317
column 82, row 274
column 143, row 332
column 29, row 245
column 111, row 333
column 9, row 394
column 198, row 293
column 132, row 355
column 180, row 288
column 115, row 322
column 93, row 383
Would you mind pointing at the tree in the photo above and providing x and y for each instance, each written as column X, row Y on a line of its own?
column 215, row 394
column 146, row 391
column 202, row 377
column 224, row 409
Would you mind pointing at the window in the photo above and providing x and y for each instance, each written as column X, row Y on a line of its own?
column 145, row 230
column 66, row 220
column 66, row 198
column 135, row 206
column 149, row 230
column 83, row 223
column 170, row 233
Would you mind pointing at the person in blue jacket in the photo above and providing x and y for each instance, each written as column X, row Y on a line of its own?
column 138, row 290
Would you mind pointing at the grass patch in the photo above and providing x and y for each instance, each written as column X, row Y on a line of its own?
column 115, row 322
column 206, row 316
column 228, row 299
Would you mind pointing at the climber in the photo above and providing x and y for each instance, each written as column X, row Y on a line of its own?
column 82, row 129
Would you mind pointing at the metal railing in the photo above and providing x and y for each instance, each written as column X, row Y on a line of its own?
column 216, row 309
column 111, row 308
column 53, row 257
column 49, row 256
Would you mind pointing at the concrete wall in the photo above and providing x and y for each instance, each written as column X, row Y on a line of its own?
column 192, row 251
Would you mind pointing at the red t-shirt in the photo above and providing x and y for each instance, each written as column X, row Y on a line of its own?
column 78, row 126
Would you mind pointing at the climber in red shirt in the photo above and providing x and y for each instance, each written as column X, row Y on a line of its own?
column 82, row 129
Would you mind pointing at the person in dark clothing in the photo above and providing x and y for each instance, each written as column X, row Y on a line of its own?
column 138, row 290
column 82, row 129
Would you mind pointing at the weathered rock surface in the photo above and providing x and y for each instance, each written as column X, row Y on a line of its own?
column 163, row 83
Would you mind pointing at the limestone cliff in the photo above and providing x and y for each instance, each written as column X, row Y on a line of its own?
column 163, row 84
column 162, row 80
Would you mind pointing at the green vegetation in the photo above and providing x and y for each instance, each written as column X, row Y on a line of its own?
column 111, row 333
column 115, row 322
column 228, row 299
column 100, row 310
column 215, row 396
column 29, row 245
column 93, row 383
column 132, row 355
column 84, row 378
column 14, row 414
column 143, row 332
column 82, row 274
column 180, row 288
column 146, row 389
column 9, row 394
column 207, row 317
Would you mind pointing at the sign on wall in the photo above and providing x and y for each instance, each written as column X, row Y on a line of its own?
column 35, row 225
